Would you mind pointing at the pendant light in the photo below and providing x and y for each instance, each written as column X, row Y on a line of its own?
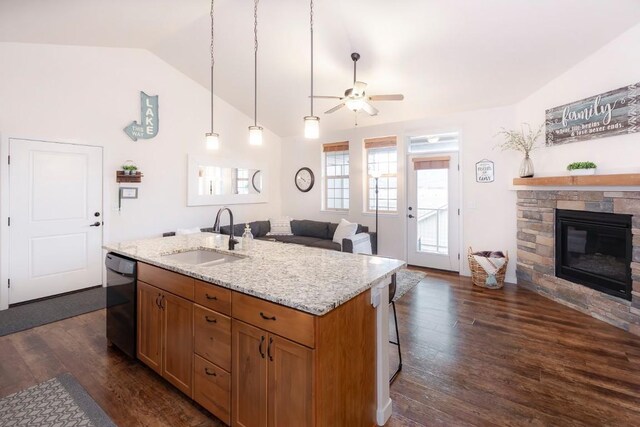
column 255, row 131
column 311, row 122
column 212, row 138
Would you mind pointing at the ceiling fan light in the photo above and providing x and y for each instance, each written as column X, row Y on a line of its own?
column 354, row 104
column 255, row 135
column 212, row 141
column 311, row 127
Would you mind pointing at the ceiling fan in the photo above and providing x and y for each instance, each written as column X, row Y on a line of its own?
column 356, row 99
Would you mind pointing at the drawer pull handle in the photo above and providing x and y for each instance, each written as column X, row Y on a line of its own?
column 267, row 317
column 210, row 319
column 260, row 346
column 208, row 372
column 211, row 297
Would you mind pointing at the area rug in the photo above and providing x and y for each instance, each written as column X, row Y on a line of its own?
column 60, row 402
column 30, row 315
column 407, row 280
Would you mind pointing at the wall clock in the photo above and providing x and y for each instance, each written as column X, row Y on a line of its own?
column 304, row 179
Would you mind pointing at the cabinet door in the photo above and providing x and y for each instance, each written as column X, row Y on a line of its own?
column 178, row 341
column 249, row 375
column 149, row 327
column 290, row 383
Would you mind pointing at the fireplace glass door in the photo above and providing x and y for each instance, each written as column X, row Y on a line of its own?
column 594, row 249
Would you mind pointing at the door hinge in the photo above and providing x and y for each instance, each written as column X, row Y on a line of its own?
column 458, row 211
column 458, row 166
column 9, row 221
column 458, row 256
column 8, row 283
column 8, row 160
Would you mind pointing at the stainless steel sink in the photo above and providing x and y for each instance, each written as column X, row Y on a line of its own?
column 201, row 258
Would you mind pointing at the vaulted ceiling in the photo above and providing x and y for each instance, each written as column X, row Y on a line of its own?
column 443, row 55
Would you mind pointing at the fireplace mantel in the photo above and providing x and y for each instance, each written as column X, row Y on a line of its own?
column 615, row 180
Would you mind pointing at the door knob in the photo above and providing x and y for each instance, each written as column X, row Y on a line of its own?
column 95, row 224
column 96, row 214
column 411, row 216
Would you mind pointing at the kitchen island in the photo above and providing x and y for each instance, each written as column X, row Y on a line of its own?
column 281, row 334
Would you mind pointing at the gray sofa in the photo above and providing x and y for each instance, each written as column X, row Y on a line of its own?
column 315, row 234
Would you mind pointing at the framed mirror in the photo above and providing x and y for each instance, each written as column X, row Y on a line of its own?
column 223, row 182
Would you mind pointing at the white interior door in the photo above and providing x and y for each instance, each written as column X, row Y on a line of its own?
column 55, row 208
column 433, row 211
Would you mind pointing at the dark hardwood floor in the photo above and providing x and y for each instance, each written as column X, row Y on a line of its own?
column 471, row 357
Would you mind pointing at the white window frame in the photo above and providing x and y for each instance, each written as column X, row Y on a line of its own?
column 327, row 177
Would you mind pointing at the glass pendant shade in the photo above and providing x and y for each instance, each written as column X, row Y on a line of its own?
column 354, row 104
column 213, row 141
column 255, row 135
column 311, row 127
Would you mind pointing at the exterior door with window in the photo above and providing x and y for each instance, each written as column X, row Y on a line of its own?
column 55, row 208
column 433, row 211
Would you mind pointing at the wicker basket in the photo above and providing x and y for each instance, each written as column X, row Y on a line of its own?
column 479, row 276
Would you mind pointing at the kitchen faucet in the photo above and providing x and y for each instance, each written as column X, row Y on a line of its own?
column 216, row 227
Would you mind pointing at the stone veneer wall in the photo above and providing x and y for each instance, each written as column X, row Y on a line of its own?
column 536, row 252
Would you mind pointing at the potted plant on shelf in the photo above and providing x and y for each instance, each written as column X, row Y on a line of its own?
column 522, row 141
column 129, row 168
column 582, row 168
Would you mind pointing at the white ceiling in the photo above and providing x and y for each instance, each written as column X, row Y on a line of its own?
column 443, row 55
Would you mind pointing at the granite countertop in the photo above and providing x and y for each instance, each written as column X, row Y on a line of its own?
column 308, row 279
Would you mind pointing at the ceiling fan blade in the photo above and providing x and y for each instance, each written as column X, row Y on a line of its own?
column 326, row 97
column 395, row 97
column 369, row 109
column 358, row 88
column 336, row 108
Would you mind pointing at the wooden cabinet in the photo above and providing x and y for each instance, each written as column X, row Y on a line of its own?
column 255, row 363
column 272, row 379
column 249, row 375
column 149, row 336
column 177, row 330
column 289, row 383
column 165, row 335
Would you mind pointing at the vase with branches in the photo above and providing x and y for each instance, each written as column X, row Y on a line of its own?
column 523, row 140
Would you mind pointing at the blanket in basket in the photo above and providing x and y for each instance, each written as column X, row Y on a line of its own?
column 490, row 263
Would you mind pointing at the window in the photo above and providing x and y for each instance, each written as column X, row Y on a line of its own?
column 336, row 175
column 382, row 158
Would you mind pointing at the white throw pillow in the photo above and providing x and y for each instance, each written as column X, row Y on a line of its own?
column 280, row 227
column 345, row 229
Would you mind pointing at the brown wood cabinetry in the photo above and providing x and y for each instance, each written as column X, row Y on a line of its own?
column 272, row 379
column 165, row 330
column 251, row 362
column 149, row 334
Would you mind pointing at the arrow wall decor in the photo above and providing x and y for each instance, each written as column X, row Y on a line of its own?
column 148, row 126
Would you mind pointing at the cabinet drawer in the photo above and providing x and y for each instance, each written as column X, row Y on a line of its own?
column 213, row 297
column 212, row 389
column 212, row 336
column 284, row 321
column 169, row 281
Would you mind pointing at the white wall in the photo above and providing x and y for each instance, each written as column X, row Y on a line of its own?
column 488, row 210
column 87, row 95
column 615, row 65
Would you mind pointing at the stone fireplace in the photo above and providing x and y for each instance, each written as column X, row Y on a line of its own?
column 582, row 249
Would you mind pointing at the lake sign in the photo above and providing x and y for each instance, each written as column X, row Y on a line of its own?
column 148, row 126
column 485, row 171
column 616, row 112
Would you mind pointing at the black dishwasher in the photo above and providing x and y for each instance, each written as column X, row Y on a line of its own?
column 121, row 303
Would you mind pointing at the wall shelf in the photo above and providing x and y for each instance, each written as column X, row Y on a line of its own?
column 121, row 177
column 616, row 180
